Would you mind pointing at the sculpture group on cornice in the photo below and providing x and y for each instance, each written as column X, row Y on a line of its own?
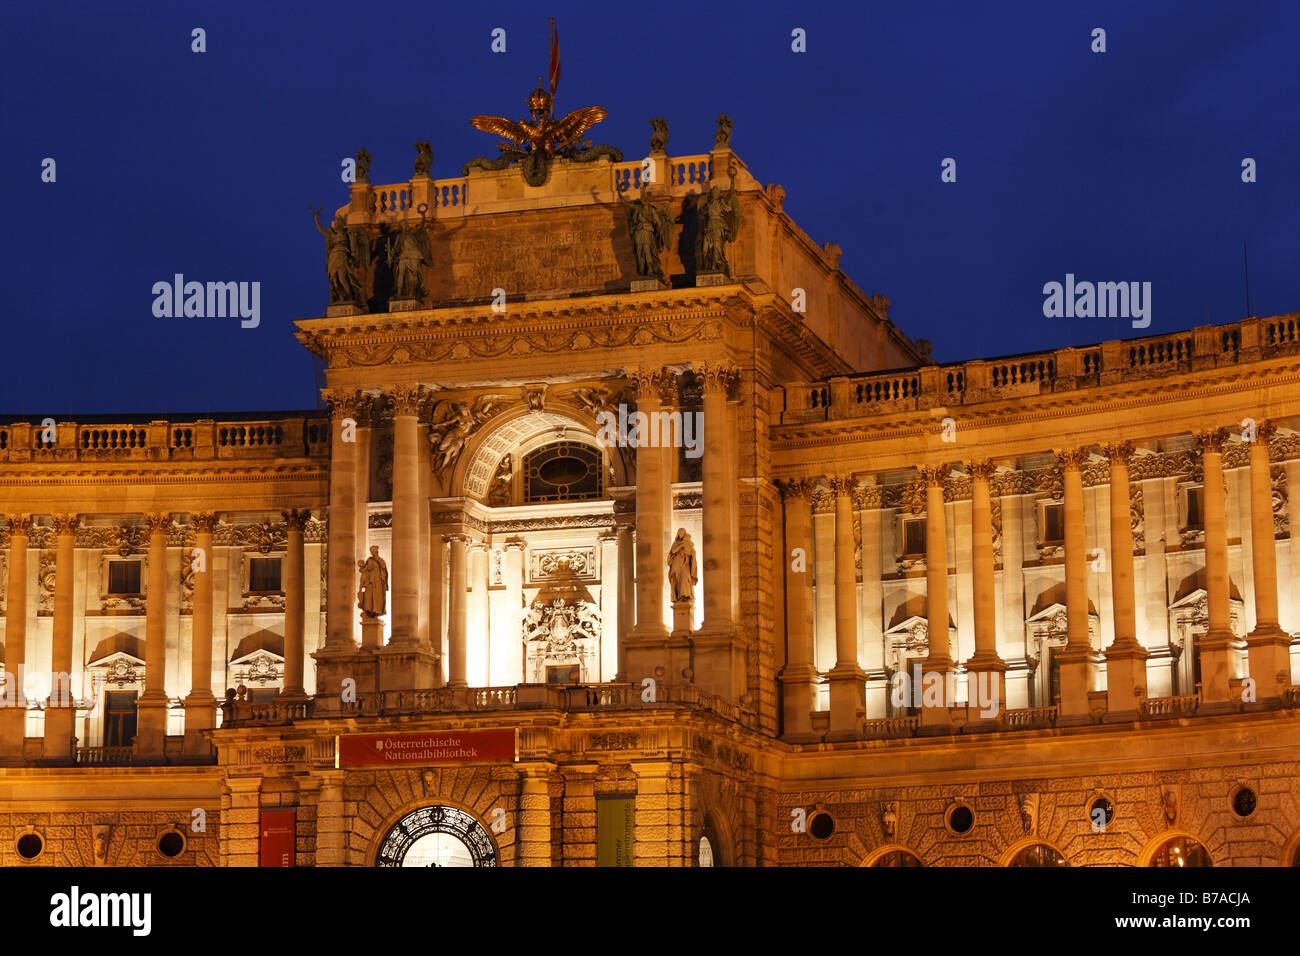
column 368, row 264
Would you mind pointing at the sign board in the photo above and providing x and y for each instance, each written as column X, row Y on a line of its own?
column 429, row 747
column 275, row 842
column 615, row 830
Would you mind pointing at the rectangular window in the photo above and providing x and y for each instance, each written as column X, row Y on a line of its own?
column 914, row 536
column 263, row 695
column 264, row 574
column 124, row 577
column 1053, row 523
column 564, row 674
column 1195, row 519
column 119, row 716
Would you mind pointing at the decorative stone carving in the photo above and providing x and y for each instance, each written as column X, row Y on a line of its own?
column 1028, row 803
column 372, row 593
column 45, row 583
column 561, row 627
column 683, row 573
column 889, row 818
column 563, row 563
column 501, row 488
column 454, row 422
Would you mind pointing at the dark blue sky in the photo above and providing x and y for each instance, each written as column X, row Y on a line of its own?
column 1117, row 166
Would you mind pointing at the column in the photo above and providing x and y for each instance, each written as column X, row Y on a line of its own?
column 937, row 692
column 1269, row 646
column 651, row 513
column 985, row 688
column 60, row 711
column 13, row 715
column 653, row 833
column 508, row 655
column 871, row 646
column 479, row 626
column 201, row 704
column 151, row 707
column 405, row 570
column 1219, row 649
column 718, row 492
column 534, row 816
column 626, row 592
column 847, row 679
column 1126, row 659
column 365, row 415
column 1077, row 660
column 294, row 595
column 340, row 603
column 331, row 823
column 457, row 612
column 799, row 677
column 609, row 633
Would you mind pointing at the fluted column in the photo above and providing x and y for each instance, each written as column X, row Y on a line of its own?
column 1268, row 645
column 719, row 546
column 626, row 593
column 1126, row 668
column 294, row 606
column 60, row 712
column 405, row 570
column 652, row 511
column 847, row 679
column 1219, row 649
column 479, row 633
column 1078, row 661
column 507, row 654
column 201, row 703
column 985, row 690
column 937, row 685
column 151, row 707
column 457, row 611
column 799, row 676
column 340, row 604
column 13, row 715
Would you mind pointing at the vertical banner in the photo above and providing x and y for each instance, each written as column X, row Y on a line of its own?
column 615, row 830
column 276, row 843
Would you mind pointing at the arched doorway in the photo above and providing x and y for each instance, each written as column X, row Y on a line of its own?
column 437, row 836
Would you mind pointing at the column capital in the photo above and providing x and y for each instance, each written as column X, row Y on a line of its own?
column 1071, row 459
column 408, row 400
column 66, row 524
column 980, row 470
column 346, row 403
column 204, row 522
column 1211, row 440
column 797, row 487
column 934, row 475
column 868, row 497
column 842, row 486
column 515, row 544
column 654, row 383
column 1264, row 432
column 457, row 537
column 717, row 377
column 20, row 524
column 1118, row 452
column 296, row 518
column 158, row 522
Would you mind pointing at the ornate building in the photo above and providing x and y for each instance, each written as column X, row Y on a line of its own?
column 683, row 553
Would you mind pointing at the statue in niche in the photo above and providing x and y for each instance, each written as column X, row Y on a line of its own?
column 372, row 596
column 347, row 255
column 423, row 159
column 718, row 215
column 409, row 249
column 683, row 572
column 651, row 227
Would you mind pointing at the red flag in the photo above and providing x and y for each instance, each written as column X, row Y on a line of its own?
column 555, row 57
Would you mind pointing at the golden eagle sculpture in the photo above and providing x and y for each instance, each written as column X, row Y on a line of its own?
column 534, row 144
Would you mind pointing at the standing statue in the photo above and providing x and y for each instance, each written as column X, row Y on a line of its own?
column 722, row 138
column 409, row 249
column 651, row 227
column 363, row 166
column 347, row 255
column 372, row 595
column 682, row 571
column 659, row 138
column 718, row 216
column 423, row 158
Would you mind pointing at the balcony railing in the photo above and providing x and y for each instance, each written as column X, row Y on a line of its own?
column 965, row 383
column 1028, row 718
column 1156, row 708
column 103, row 756
column 888, row 728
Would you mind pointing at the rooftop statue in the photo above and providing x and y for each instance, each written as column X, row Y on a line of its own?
column 423, row 158
column 659, row 138
column 651, row 227
column 409, row 248
column 718, row 223
column 347, row 256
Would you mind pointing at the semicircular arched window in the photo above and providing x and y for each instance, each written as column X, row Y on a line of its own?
column 897, row 858
column 563, row 471
column 437, row 836
column 1181, row 851
column 1038, row 854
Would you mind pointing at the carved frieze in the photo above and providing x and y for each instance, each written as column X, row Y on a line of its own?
column 552, row 563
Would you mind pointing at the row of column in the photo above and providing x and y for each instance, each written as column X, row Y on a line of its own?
column 152, row 705
column 1268, row 645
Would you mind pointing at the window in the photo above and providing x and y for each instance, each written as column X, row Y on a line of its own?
column 1180, row 851
column 960, row 818
column 1195, row 517
column 897, row 858
column 706, row 852
column 123, row 577
column 564, row 471
column 563, row 674
column 263, row 695
column 119, row 718
column 1053, row 523
column 1038, row 854
column 264, row 574
column 913, row 536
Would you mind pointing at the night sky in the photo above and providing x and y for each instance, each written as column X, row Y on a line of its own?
column 1122, row 166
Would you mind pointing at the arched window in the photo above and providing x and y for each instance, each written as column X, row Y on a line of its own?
column 1180, row 851
column 897, row 858
column 1038, row 854
column 706, row 852
column 437, row 836
column 563, row 471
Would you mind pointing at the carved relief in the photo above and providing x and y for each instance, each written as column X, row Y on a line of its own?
column 563, row 563
column 45, row 583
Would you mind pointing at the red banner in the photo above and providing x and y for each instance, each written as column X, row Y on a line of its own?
column 276, row 843
column 435, row 746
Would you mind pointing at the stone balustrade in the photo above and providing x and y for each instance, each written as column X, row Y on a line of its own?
column 165, row 440
column 1066, row 369
column 1156, row 708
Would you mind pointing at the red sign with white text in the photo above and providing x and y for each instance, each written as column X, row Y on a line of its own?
column 276, row 843
column 440, row 746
